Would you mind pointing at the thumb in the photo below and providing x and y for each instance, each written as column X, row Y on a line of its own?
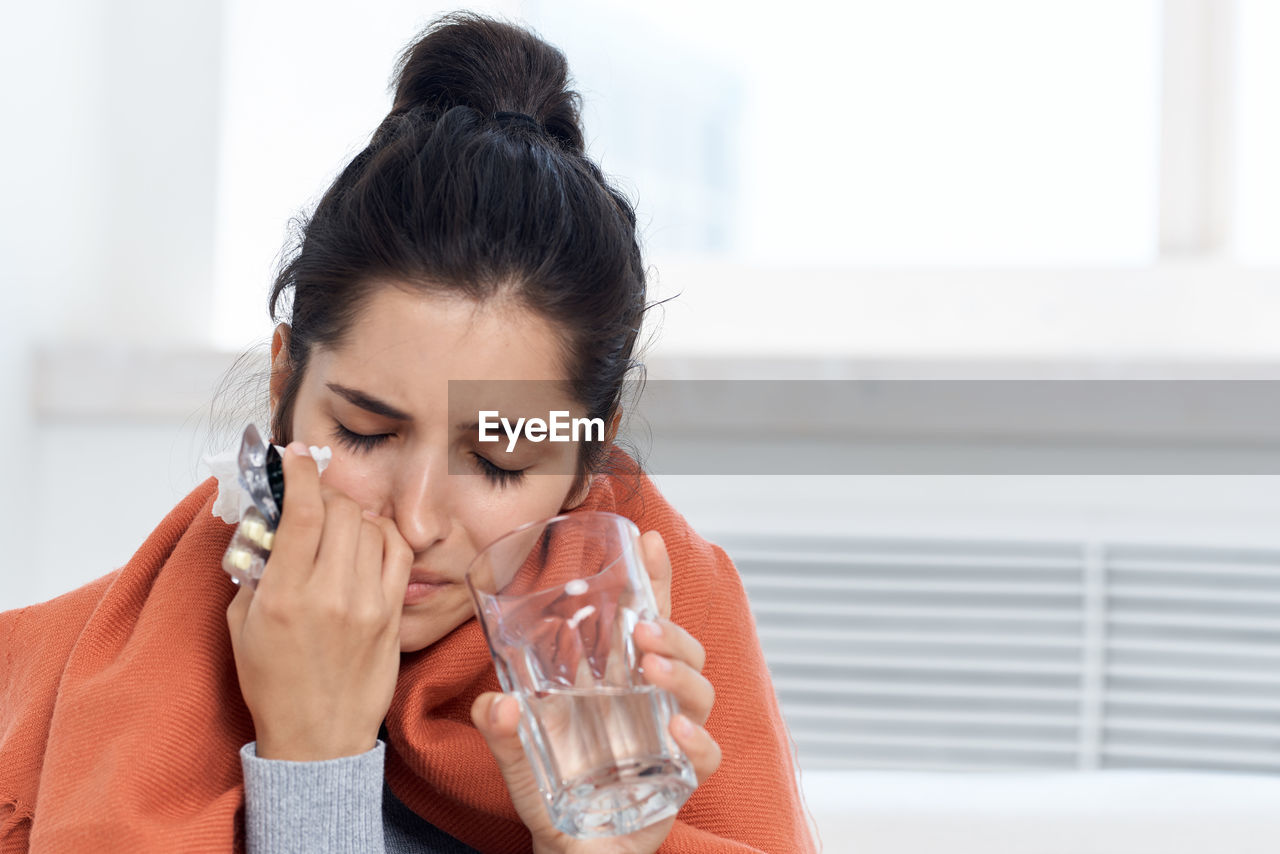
column 497, row 717
column 238, row 610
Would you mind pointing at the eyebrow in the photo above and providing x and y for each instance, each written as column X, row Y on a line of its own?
column 369, row 403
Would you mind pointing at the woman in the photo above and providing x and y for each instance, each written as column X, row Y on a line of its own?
column 349, row 703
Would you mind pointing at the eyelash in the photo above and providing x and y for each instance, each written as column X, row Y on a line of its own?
column 500, row 476
column 361, row 443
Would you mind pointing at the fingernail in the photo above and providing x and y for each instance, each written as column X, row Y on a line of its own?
column 298, row 448
column 494, row 708
column 663, row 664
column 653, row 628
column 684, row 726
column 368, row 514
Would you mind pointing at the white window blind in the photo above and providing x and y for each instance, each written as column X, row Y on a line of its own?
column 986, row 655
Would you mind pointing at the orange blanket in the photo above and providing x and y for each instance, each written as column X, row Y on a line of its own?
column 121, row 716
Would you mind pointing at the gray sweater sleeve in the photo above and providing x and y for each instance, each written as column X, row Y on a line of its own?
column 329, row 806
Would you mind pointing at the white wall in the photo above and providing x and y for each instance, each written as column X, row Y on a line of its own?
column 106, row 214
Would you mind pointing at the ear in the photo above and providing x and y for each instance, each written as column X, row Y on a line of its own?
column 280, row 367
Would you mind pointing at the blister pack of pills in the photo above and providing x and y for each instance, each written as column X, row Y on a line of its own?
column 262, row 476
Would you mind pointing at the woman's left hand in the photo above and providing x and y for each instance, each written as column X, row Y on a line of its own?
column 672, row 660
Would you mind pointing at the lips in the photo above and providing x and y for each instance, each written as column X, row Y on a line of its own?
column 427, row 576
column 423, row 584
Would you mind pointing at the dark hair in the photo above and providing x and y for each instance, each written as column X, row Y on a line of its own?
column 476, row 183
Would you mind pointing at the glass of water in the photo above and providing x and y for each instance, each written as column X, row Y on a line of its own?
column 559, row 601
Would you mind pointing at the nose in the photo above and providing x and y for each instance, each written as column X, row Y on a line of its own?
column 418, row 503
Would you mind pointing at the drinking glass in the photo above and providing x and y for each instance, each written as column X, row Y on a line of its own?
column 559, row 600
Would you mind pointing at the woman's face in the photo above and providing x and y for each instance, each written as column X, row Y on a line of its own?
column 381, row 400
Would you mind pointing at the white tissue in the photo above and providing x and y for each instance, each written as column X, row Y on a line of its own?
column 322, row 456
column 233, row 500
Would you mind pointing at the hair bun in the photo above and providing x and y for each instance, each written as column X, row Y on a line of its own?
column 467, row 60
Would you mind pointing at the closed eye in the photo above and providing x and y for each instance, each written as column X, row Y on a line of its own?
column 497, row 474
column 359, row 442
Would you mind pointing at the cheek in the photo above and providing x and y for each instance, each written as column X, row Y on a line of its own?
column 358, row 477
column 489, row 512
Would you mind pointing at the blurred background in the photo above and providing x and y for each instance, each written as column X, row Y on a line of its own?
column 915, row 189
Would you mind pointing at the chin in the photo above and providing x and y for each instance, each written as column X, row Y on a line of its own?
column 434, row 613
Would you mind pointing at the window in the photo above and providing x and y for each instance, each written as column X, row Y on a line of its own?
column 1257, row 176
column 905, row 133
column 987, row 178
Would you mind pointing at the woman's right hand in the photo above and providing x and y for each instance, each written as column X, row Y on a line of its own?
column 317, row 644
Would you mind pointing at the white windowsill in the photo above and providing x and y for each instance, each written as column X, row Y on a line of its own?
column 1165, row 316
column 1187, row 320
column 1137, row 812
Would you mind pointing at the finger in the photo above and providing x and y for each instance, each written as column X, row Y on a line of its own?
column 693, row 692
column 339, row 539
column 397, row 560
column 698, row 745
column 293, row 553
column 656, row 562
column 666, row 638
column 368, row 568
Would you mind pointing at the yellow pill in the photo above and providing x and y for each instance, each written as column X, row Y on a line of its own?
column 253, row 529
